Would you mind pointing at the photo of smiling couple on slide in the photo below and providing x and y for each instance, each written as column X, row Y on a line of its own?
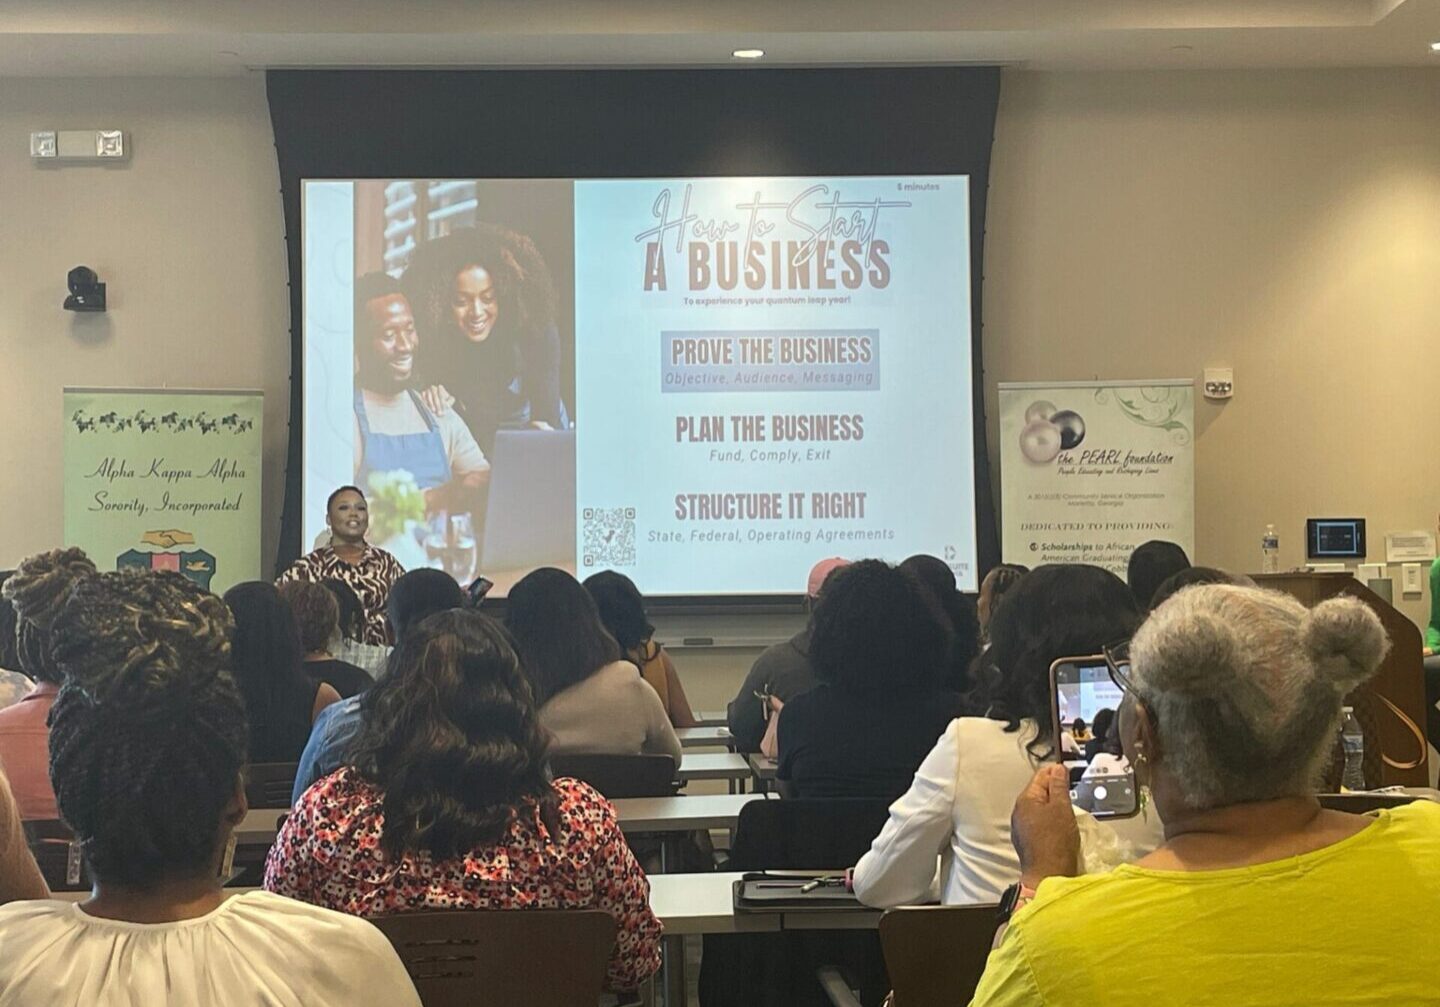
column 464, row 373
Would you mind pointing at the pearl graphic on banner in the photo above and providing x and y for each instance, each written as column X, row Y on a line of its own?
column 1041, row 410
column 1040, row 441
column 1049, row 430
column 1072, row 428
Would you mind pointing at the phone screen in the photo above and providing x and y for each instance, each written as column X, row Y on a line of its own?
column 1101, row 780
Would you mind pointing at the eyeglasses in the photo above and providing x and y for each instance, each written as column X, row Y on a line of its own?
column 1117, row 661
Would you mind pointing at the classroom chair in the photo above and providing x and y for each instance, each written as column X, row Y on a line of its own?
column 617, row 776
column 268, row 784
column 779, row 970
column 1361, row 802
column 536, row 957
column 934, row 955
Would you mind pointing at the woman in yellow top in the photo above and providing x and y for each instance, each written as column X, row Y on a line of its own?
column 1258, row 896
column 622, row 610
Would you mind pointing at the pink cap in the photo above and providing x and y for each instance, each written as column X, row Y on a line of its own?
column 820, row 571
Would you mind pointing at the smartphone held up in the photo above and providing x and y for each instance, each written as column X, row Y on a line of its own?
column 1085, row 704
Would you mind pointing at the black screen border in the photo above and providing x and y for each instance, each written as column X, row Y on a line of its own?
column 635, row 124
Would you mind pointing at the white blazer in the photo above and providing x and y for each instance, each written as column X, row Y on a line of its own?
column 956, row 817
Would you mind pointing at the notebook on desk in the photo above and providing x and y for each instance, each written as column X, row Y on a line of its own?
column 777, row 890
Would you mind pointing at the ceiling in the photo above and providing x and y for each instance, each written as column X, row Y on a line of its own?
column 223, row 37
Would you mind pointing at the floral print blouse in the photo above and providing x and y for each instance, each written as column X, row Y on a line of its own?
column 328, row 854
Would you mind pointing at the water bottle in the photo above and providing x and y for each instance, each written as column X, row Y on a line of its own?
column 1352, row 738
column 1270, row 551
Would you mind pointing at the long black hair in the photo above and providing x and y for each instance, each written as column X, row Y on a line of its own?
column 621, row 606
column 147, row 736
column 557, row 631
column 1053, row 612
column 452, row 738
column 268, row 662
column 959, row 608
column 877, row 630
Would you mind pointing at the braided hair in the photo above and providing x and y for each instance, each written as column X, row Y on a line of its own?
column 452, row 737
column 9, row 654
column 147, row 736
column 39, row 590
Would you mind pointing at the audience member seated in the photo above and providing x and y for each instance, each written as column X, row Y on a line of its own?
column 622, row 610
column 1107, row 756
column 959, row 609
column 15, row 685
column 1257, row 896
column 591, row 700
column 779, row 674
column 961, row 797
column 281, row 702
column 317, row 617
column 447, row 804
column 20, row 876
column 38, row 590
column 415, row 597
column 879, row 647
column 1151, row 564
column 1193, row 576
column 371, row 657
column 147, row 746
column 1104, row 723
column 997, row 584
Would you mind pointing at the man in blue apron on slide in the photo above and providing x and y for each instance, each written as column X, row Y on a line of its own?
column 393, row 429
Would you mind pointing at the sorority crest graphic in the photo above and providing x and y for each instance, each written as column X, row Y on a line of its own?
column 196, row 564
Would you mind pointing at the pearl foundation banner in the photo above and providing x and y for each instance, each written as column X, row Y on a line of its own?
column 1090, row 470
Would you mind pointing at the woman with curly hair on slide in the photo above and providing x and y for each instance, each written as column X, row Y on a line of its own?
column 147, row 743
column 490, row 347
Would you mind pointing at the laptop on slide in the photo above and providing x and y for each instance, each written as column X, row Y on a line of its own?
column 530, row 517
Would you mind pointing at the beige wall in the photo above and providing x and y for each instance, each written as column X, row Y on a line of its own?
column 1286, row 224
column 1141, row 225
column 189, row 238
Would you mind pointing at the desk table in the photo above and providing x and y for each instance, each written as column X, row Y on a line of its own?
column 717, row 736
column 681, row 814
column 726, row 766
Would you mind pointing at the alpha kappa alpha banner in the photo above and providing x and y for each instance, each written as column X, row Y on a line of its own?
column 1089, row 470
column 165, row 480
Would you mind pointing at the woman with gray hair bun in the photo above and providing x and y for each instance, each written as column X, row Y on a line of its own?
column 1258, row 896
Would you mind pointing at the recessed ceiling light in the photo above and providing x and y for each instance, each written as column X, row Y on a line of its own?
column 1435, row 46
column 748, row 53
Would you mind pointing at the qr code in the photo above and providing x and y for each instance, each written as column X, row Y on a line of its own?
column 609, row 536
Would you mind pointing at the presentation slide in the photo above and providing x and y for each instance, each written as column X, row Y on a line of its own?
column 705, row 383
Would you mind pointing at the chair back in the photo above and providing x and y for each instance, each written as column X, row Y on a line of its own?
column 55, row 850
column 1362, row 802
column 779, row 970
column 617, row 776
column 268, row 784
column 936, row 954
column 805, row 834
column 536, row 957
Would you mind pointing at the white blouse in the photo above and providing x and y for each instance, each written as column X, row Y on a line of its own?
column 956, row 815
column 256, row 950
